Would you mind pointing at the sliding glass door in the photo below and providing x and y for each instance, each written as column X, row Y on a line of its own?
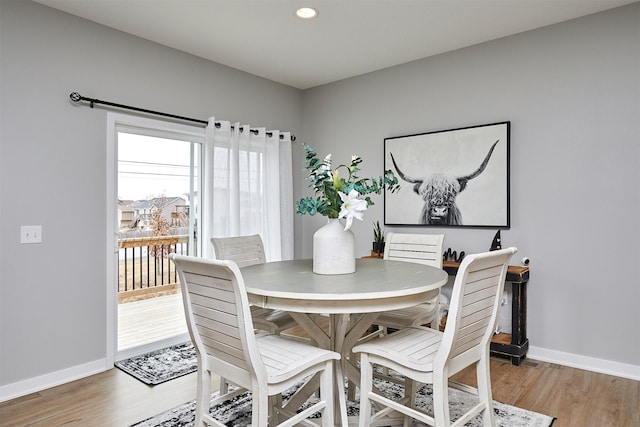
column 156, row 211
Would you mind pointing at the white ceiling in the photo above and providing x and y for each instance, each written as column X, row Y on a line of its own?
column 348, row 38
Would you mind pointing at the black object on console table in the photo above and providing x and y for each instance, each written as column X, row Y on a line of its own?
column 516, row 345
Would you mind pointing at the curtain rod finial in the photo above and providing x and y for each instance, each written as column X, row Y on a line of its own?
column 75, row 96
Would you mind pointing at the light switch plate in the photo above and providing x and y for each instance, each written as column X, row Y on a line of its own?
column 30, row 234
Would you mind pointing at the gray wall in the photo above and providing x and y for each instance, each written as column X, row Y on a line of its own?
column 53, row 167
column 572, row 94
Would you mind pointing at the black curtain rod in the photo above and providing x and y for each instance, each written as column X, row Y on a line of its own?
column 76, row 97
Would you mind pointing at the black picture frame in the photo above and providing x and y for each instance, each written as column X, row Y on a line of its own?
column 464, row 173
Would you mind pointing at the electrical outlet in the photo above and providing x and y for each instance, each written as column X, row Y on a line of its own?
column 30, row 234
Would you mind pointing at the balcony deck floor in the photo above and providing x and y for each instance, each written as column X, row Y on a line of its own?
column 146, row 321
column 142, row 323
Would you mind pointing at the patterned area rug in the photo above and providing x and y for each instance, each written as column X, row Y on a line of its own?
column 237, row 412
column 161, row 365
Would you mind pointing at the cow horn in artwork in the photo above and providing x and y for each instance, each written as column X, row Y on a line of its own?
column 463, row 180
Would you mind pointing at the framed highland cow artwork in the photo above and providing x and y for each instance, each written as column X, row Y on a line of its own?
column 450, row 178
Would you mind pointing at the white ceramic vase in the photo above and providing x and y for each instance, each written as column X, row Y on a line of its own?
column 334, row 249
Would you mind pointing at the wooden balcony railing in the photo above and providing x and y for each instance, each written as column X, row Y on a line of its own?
column 144, row 267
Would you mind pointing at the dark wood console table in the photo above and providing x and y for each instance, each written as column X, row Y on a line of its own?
column 516, row 344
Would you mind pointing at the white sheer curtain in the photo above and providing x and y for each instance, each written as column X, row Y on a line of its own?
column 248, row 187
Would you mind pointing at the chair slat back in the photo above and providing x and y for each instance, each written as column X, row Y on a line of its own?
column 418, row 248
column 473, row 311
column 217, row 311
column 244, row 250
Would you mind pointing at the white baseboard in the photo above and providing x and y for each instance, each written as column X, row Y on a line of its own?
column 623, row 370
column 33, row 385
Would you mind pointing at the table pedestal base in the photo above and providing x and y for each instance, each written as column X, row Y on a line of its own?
column 345, row 330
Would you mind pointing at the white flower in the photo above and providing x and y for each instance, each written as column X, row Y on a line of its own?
column 352, row 207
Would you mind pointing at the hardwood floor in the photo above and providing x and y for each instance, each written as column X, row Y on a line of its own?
column 577, row 398
column 111, row 398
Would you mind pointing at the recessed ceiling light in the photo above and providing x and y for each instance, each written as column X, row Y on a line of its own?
column 306, row 13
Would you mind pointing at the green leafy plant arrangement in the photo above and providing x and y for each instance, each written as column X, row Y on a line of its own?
column 378, row 238
column 339, row 196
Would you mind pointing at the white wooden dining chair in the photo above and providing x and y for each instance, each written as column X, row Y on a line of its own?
column 427, row 356
column 221, row 328
column 246, row 251
column 421, row 249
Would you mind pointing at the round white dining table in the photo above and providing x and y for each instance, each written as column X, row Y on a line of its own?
column 353, row 301
column 377, row 285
